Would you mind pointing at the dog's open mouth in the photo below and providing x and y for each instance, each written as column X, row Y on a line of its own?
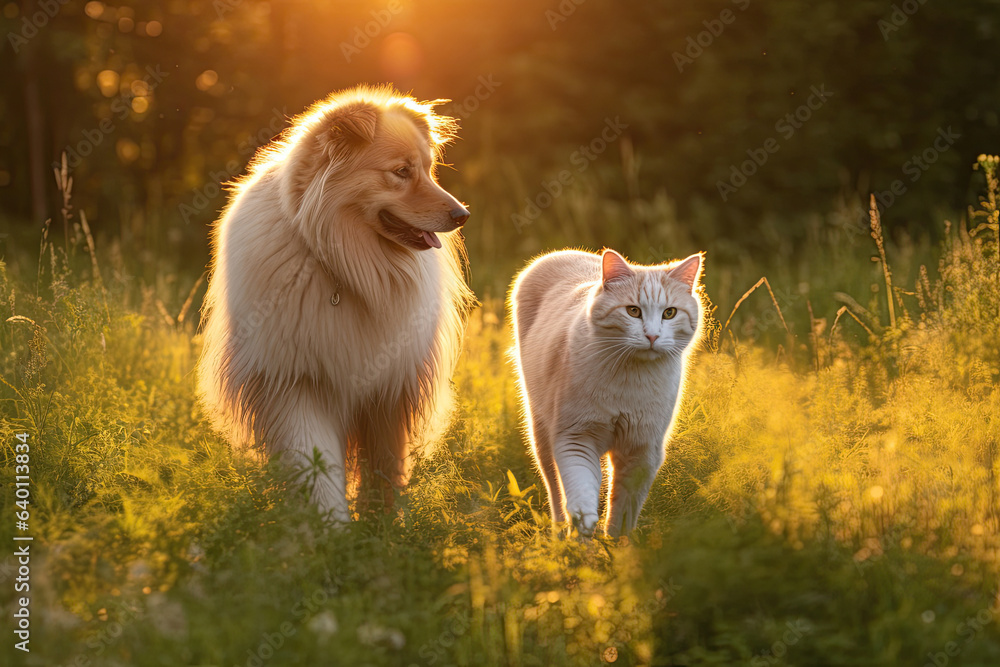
column 406, row 234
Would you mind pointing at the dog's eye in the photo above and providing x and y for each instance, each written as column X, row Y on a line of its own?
column 669, row 313
column 634, row 311
column 403, row 172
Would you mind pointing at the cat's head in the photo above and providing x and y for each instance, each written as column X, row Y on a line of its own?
column 651, row 311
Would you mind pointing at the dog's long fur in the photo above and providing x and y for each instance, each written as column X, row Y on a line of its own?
column 323, row 330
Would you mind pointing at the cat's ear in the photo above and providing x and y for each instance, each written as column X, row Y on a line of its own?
column 614, row 266
column 688, row 271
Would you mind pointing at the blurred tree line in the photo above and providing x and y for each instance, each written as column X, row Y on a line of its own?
column 751, row 113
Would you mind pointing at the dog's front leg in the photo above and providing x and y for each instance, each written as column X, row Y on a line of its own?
column 383, row 451
column 302, row 428
column 329, row 484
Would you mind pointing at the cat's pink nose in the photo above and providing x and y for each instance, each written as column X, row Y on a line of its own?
column 652, row 339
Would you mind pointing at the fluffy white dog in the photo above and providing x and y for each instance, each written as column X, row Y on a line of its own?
column 337, row 302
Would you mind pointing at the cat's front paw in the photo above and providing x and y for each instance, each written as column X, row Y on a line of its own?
column 585, row 524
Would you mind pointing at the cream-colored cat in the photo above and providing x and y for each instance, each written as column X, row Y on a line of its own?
column 601, row 347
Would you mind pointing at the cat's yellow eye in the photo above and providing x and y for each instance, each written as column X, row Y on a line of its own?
column 633, row 311
column 669, row 313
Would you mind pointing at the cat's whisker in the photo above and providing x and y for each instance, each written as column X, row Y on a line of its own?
column 617, row 354
column 602, row 343
column 623, row 356
column 611, row 349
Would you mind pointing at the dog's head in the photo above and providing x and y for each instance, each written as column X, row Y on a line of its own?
column 372, row 153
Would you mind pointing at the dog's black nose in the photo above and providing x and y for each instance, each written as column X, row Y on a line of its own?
column 459, row 215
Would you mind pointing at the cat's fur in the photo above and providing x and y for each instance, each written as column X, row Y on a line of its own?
column 335, row 311
column 596, row 381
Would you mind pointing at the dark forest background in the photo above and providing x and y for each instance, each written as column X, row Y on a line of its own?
column 157, row 103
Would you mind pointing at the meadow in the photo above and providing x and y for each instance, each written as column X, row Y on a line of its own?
column 830, row 495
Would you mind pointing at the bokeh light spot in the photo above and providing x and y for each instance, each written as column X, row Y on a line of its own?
column 206, row 79
column 107, row 81
column 402, row 56
column 128, row 150
column 94, row 9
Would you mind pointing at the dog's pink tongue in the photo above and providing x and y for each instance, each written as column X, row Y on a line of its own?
column 431, row 239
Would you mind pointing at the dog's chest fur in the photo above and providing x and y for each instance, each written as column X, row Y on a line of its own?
column 376, row 346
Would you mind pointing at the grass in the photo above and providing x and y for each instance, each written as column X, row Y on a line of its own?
column 829, row 498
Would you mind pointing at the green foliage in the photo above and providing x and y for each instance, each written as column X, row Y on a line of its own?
column 827, row 499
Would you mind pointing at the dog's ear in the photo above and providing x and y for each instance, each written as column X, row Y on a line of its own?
column 338, row 134
column 352, row 124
